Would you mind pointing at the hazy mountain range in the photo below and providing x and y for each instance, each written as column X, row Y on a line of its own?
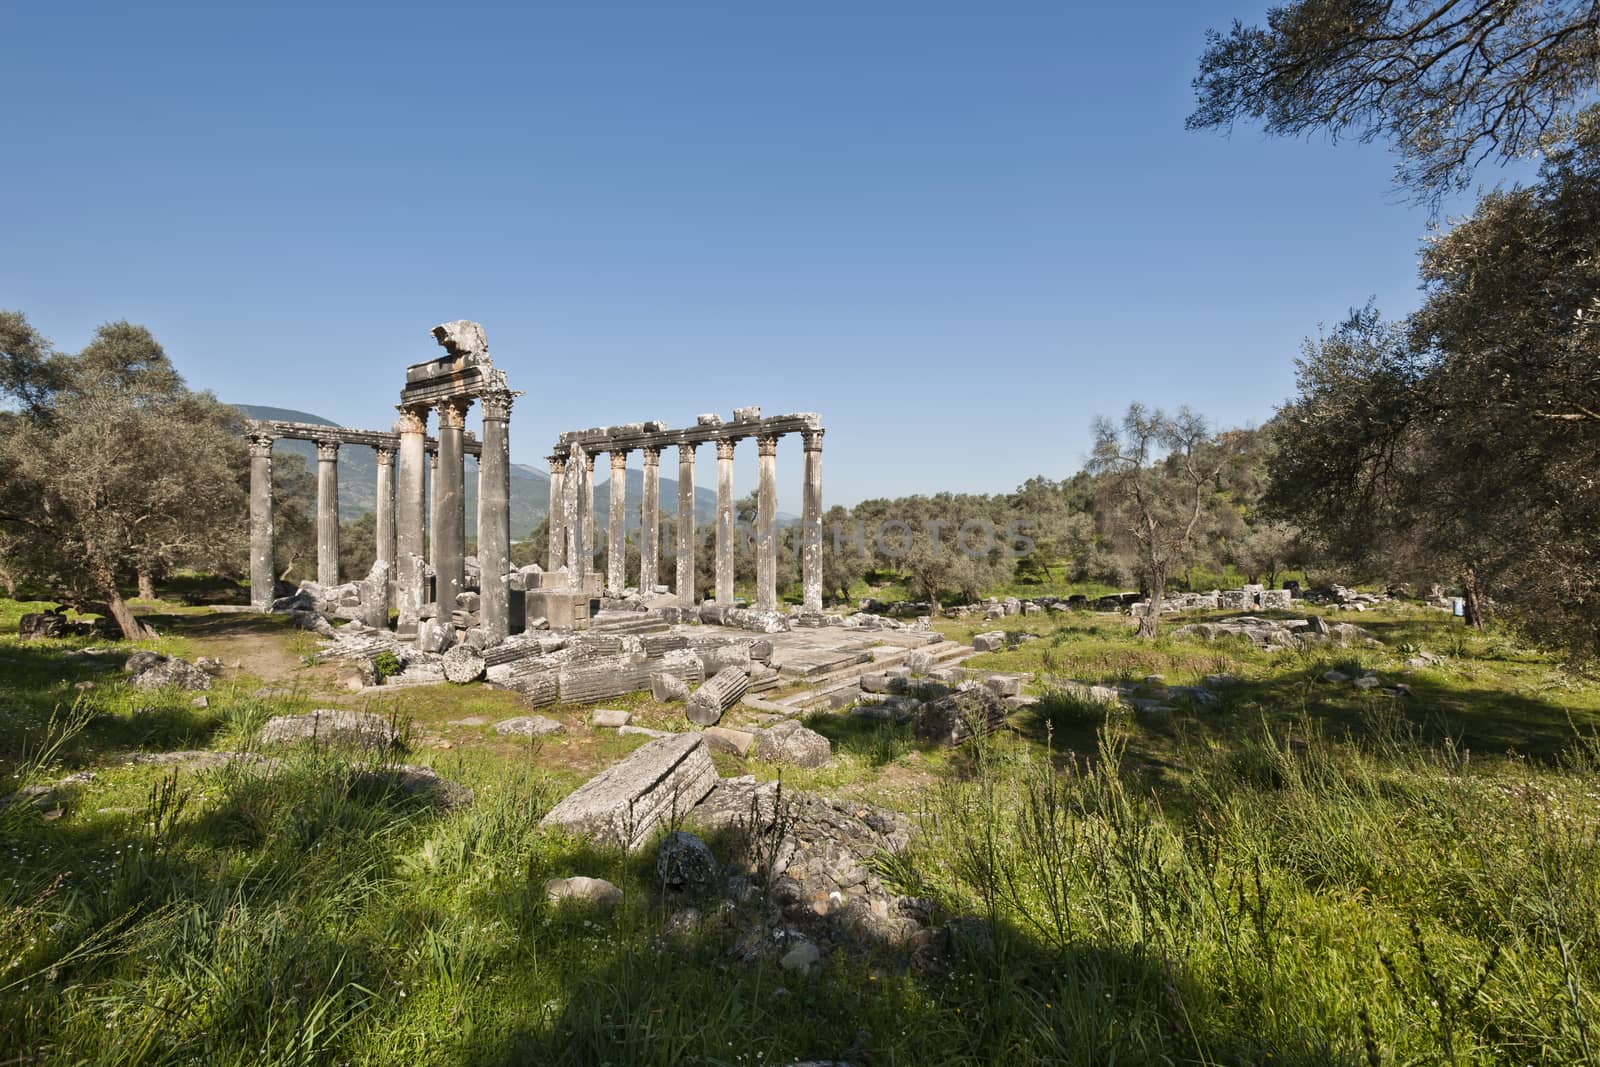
column 530, row 486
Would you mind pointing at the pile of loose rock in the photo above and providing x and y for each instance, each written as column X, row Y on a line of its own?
column 797, row 872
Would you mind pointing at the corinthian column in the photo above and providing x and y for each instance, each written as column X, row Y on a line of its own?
column 686, row 525
column 725, row 531
column 556, row 557
column 327, row 512
column 572, row 516
column 494, row 516
column 433, row 506
column 616, row 534
column 450, row 516
column 591, row 546
column 385, row 505
column 650, row 522
column 263, row 576
column 410, row 509
column 766, row 529
column 811, row 524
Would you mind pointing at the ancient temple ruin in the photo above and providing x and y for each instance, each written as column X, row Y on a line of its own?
column 442, row 596
column 572, row 525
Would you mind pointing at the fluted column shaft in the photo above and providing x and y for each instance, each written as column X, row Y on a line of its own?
column 577, row 543
column 616, row 533
column 494, row 517
column 725, row 527
column 327, row 512
column 811, row 524
column 433, row 506
column 686, row 525
column 556, row 556
column 385, row 505
column 766, row 525
column 650, row 523
column 593, row 546
column 410, row 509
column 450, row 559
column 263, row 574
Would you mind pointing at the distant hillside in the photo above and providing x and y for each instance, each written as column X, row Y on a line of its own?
column 530, row 486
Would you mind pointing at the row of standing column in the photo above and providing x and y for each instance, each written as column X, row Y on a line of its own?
column 572, row 530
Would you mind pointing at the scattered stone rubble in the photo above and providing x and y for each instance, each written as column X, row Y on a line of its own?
column 1280, row 633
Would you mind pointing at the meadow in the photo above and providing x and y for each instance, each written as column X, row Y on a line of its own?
column 1295, row 871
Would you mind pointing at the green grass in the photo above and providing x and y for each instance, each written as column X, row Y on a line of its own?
column 1301, row 873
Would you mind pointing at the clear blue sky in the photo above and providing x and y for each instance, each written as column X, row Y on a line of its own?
column 959, row 231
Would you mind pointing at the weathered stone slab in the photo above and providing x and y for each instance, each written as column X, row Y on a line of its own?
column 722, row 739
column 330, row 726
column 529, row 726
column 626, row 803
column 610, row 717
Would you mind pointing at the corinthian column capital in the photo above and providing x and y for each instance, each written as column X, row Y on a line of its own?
column 725, row 446
column 327, row 449
column 453, row 412
column 767, row 444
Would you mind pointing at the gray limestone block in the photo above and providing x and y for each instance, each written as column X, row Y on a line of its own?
column 790, row 742
column 1005, row 685
column 624, row 804
column 595, row 892
column 708, row 420
column 435, row 635
column 722, row 739
column 610, row 717
column 749, row 414
column 717, row 659
column 993, row 641
column 668, row 687
column 920, row 662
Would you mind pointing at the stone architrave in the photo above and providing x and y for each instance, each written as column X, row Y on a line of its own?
column 410, row 510
column 263, row 576
column 327, row 512
column 556, row 557
column 616, row 531
column 811, row 524
column 650, row 522
column 686, row 525
column 725, row 528
column 449, row 561
column 494, row 516
column 766, row 525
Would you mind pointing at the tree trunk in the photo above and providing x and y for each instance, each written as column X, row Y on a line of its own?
column 147, row 584
column 132, row 629
column 1474, row 598
column 1149, row 622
